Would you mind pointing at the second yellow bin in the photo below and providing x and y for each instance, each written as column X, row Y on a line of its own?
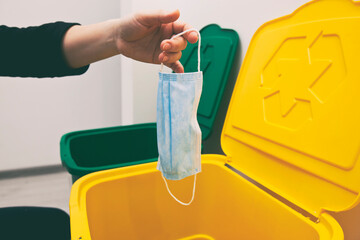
column 291, row 139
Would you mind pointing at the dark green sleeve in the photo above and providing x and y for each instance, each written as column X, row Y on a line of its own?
column 35, row 51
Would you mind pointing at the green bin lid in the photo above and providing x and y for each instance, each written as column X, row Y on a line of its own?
column 218, row 49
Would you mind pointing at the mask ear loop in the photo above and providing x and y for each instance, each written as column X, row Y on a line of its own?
column 199, row 46
column 182, row 203
column 161, row 68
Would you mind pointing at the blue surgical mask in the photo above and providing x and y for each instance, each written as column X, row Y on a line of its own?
column 178, row 132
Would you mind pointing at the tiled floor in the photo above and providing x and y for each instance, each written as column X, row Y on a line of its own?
column 47, row 190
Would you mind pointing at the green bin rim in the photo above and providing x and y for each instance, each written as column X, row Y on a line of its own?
column 74, row 169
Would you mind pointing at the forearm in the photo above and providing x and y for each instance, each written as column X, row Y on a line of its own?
column 83, row 45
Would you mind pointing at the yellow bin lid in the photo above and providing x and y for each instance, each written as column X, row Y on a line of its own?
column 293, row 123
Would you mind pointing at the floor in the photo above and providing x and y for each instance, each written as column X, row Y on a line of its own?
column 46, row 190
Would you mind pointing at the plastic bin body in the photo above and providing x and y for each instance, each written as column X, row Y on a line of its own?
column 83, row 152
column 133, row 203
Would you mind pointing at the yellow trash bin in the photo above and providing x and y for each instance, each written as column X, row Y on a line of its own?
column 291, row 139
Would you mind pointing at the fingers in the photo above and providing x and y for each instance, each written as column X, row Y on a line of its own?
column 169, row 58
column 179, row 27
column 156, row 18
column 176, row 67
column 173, row 45
column 171, row 49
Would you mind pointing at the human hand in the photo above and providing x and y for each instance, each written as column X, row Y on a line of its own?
column 146, row 37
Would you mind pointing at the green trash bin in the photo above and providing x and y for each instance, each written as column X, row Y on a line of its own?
column 88, row 151
column 83, row 152
column 40, row 223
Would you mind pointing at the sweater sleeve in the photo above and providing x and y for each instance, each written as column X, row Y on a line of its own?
column 35, row 51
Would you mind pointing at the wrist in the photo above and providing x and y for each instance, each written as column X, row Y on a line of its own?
column 86, row 44
column 115, row 35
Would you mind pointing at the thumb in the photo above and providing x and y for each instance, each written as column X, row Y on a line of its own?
column 155, row 18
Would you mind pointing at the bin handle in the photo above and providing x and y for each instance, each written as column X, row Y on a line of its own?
column 182, row 203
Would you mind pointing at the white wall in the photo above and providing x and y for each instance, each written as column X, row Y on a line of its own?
column 245, row 16
column 35, row 113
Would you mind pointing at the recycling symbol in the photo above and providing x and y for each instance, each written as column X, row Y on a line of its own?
column 302, row 71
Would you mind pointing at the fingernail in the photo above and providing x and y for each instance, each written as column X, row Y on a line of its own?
column 166, row 46
column 194, row 34
column 165, row 58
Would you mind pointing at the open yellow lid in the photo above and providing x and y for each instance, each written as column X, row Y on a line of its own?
column 293, row 123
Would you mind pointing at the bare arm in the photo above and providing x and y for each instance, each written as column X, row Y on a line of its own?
column 83, row 45
column 143, row 37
